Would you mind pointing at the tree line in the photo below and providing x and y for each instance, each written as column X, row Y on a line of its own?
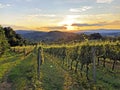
column 8, row 37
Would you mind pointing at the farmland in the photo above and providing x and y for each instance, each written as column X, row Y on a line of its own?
column 63, row 68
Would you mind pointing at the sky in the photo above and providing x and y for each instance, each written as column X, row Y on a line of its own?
column 63, row 15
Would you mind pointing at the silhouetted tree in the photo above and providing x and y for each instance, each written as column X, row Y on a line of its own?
column 95, row 36
column 13, row 38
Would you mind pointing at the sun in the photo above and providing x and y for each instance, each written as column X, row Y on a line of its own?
column 69, row 27
column 67, row 23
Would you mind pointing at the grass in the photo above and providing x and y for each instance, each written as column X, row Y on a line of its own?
column 106, row 79
column 6, row 64
column 54, row 77
column 21, row 73
column 23, row 76
column 51, row 76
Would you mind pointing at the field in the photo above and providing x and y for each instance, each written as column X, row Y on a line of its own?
column 59, row 44
column 63, row 67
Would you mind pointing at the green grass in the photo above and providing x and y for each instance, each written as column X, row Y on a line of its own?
column 7, row 63
column 23, row 76
column 51, row 76
column 54, row 76
column 8, row 56
column 106, row 79
column 22, row 73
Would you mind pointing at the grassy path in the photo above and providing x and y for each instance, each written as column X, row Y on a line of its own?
column 17, row 71
column 54, row 77
column 51, row 76
column 7, row 64
column 23, row 76
column 5, row 67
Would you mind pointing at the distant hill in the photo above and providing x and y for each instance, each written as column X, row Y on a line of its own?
column 47, row 36
column 54, row 36
column 24, row 31
column 103, row 32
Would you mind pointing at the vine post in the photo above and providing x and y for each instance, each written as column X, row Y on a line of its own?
column 24, row 51
column 39, row 61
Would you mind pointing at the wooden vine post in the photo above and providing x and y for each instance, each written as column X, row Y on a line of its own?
column 39, row 61
column 24, row 52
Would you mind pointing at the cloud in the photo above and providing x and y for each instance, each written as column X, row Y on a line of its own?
column 68, row 1
column 104, row 1
column 42, row 15
column 72, row 16
column 86, row 24
column 116, row 7
column 116, row 22
column 68, row 20
column 4, row 5
column 38, row 9
column 28, row 0
column 82, row 9
column 15, row 27
column 24, row 0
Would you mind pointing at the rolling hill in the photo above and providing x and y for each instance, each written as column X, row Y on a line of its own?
column 103, row 32
column 53, row 36
column 47, row 36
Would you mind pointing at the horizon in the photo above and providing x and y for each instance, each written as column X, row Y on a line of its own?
column 61, row 15
column 74, row 31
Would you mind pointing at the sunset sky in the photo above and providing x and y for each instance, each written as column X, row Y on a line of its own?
column 62, row 15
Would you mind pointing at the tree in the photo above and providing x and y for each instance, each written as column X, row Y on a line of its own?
column 3, row 42
column 95, row 36
column 13, row 38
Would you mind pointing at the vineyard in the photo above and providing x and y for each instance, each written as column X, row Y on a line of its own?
column 81, row 66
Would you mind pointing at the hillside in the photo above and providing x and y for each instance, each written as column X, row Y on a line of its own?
column 103, row 32
column 58, row 36
column 48, row 36
column 24, row 31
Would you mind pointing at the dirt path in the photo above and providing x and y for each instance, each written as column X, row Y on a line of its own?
column 5, row 86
